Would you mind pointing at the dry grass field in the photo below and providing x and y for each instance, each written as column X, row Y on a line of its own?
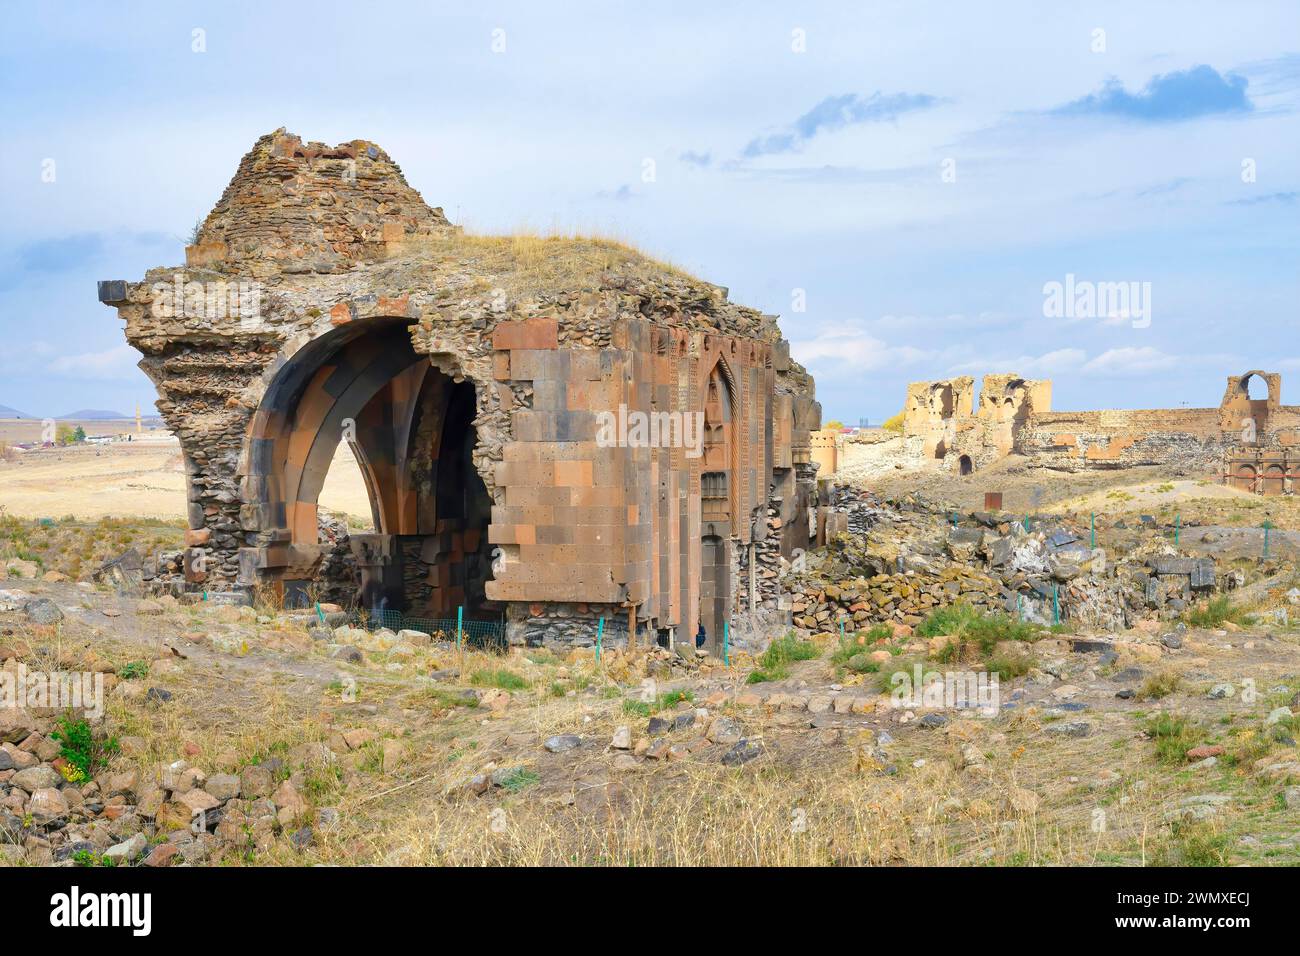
column 144, row 478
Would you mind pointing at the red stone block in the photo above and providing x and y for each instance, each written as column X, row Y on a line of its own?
column 539, row 333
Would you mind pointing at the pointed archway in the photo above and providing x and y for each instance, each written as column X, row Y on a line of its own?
column 410, row 427
column 717, row 505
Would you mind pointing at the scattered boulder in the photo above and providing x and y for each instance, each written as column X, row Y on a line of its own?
column 128, row 850
column 743, row 752
column 42, row 611
column 724, row 730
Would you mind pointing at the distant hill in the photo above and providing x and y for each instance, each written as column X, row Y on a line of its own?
column 7, row 412
column 92, row 415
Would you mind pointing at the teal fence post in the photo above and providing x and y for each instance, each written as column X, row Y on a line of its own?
column 1026, row 522
column 841, row 630
column 726, row 636
column 1178, row 524
column 1020, row 608
column 1056, row 604
column 460, row 620
column 1266, row 527
column 319, row 613
column 1092, row 524
column 600, row 634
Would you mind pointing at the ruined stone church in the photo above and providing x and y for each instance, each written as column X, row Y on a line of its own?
column 323, row 301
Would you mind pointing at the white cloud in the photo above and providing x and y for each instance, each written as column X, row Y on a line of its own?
column 1046, row 365
column 837, row 349
column 1130, row 361
column 116, row 363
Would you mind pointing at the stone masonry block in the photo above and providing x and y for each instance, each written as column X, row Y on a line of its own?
column 539, row 333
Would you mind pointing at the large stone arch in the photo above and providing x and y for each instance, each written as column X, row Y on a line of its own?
column 1247, row 420
column 411, row 428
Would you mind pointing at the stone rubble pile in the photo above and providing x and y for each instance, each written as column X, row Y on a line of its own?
column 903, row 559
column 179, row 814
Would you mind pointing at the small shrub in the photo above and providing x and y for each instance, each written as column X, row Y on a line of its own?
column 133, row 670
column 1009, row 664
column 80, row 749
column 973, row 633
column 647, row 708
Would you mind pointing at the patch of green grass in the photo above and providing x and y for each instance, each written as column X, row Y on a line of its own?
column 1159, row 686
column 1216, row 612
column 1173, row 736
column 520, row 778
column 774, row 663
column 498, row 677
column 786, row 650
column 449, row 698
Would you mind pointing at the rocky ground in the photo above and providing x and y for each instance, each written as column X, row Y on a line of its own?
column 252, row 736
column 1162, row 731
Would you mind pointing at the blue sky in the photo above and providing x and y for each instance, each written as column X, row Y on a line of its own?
column 915, row 173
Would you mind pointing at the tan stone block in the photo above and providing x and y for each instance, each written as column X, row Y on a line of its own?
column 573, row 473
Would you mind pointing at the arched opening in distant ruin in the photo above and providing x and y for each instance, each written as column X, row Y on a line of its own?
column 964, row 465
column 410, row 428
column 1255, row 387
column 717, row 490
column 1274, row 480
column 1244, row 477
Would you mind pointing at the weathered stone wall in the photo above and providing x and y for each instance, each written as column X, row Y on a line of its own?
column 1245, row 441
